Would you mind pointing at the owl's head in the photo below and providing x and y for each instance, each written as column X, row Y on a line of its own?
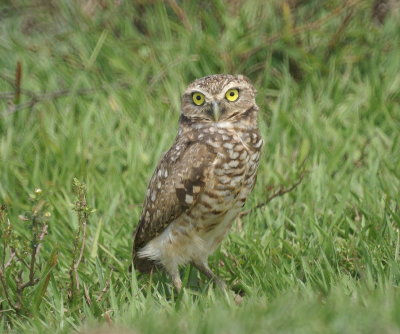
column 218, row 98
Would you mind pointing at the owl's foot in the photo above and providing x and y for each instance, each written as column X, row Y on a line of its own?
column 205, row 269
column 175, row 277
column 177, row 283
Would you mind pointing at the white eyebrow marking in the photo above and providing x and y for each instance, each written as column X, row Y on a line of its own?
column 233, row 84
column 198, row 90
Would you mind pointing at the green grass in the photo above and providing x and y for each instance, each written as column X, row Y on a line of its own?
column 324, row 258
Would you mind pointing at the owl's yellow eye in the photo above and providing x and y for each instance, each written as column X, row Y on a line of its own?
column 198, row 99
column 232, row 95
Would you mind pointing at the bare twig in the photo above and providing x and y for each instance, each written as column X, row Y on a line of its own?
column 14, row 108
column 11, row 81
column 36, row 240
column 278, row 193
column 36, row 98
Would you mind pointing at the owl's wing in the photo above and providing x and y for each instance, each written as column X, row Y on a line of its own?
column 174, row 188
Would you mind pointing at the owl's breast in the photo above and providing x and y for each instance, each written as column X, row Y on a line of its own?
column 229, row 182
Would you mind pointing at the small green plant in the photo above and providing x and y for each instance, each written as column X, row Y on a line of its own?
column 24, row 271
column 83, row 212
column 21, row 264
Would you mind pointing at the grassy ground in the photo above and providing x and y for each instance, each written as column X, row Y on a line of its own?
column 92, row 91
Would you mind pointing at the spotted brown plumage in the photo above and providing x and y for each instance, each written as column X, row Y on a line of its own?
column 173, row 189
column 202, row 182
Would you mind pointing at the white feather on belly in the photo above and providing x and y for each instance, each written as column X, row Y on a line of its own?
column 180, row 243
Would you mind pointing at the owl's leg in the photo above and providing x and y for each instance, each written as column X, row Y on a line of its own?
column 203, row 267
column 176, row 279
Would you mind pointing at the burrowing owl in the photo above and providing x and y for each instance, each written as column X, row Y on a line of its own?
column 202, row 182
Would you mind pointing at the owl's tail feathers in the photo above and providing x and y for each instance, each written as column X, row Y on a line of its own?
column 143, row 265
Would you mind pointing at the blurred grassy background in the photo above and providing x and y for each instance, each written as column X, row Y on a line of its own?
column 91, row 89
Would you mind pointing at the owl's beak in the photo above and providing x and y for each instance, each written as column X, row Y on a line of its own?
column 216, row 112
